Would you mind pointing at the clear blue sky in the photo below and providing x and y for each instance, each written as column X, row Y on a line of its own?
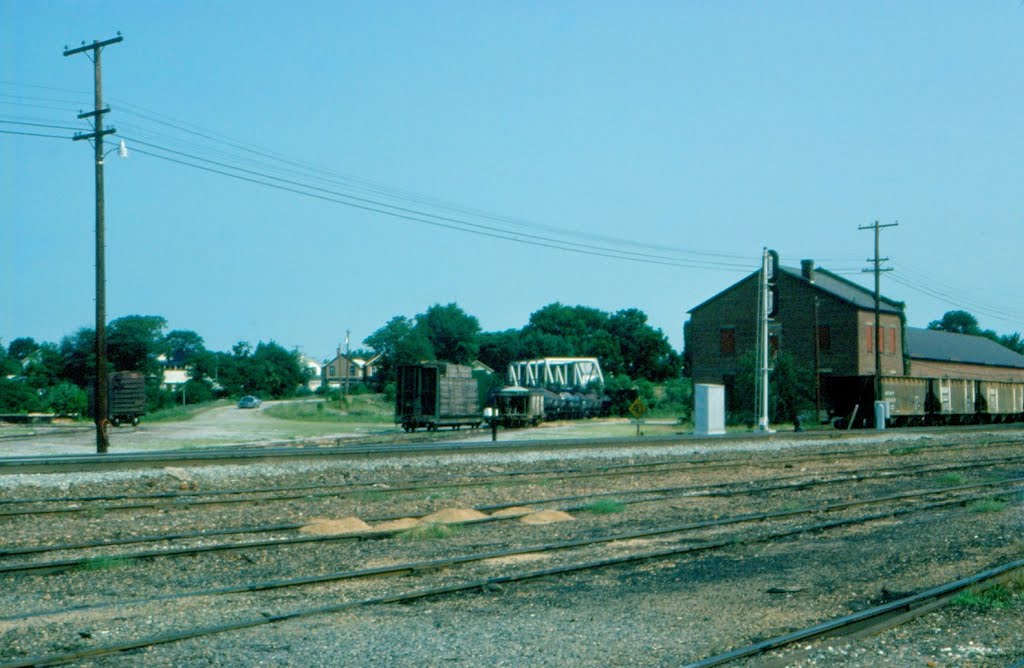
column 666, row 130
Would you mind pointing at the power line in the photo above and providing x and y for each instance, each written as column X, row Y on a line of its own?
column 32, row 134
column 506, row 236
column 456, row 223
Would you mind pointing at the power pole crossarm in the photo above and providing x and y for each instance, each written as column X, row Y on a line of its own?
column 101, row 407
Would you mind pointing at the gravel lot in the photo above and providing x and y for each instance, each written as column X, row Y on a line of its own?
column 665, row 611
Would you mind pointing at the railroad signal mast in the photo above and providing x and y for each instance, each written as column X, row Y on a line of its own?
column 767, row 307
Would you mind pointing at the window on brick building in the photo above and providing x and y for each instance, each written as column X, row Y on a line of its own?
column 728, row 340
column 890, row 340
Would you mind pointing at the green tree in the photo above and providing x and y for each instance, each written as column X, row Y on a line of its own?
column 17, row 397
column 645, row 351
column 958, row 322
column 22, row 347
column 275, row 372
column 78, row 357
column 399, row 342
column 43, row 367
column 575, row 325
column 9, row 366
column 183, row 347
column 1013, row 342
column 134, row 343
column 790, row 389
column 451, row 331
column 66, row 398
column 498, row 349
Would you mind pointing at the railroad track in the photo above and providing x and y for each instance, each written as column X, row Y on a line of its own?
column 869, row 621
column 477, row 583
column 398, row 445
column 787, row 483
column 179, row 499
column 722, row 533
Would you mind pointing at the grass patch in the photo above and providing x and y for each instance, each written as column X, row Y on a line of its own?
column 950, row 480
column 604, row 507
column 370, row 495
column 104, row 563
column 987, row 506
column 359, row 408
column 180, row 413
column 431, row 531
column 996, row 597
column 906, row 450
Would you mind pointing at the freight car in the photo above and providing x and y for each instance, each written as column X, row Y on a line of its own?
column 515, row 406
column 928, row 401
column 436, row 395
column 126, row 398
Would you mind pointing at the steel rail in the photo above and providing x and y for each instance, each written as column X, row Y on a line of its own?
column 67, row 564
column 235, row 454
column 62, row 658
column 877, row 618
column 409, row 484
column 714, row 490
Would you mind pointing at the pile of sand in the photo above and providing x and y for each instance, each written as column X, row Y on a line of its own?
column 514, row 511
column 321, row 526
column 547, row 517
column 453, row 516
column 397, row 525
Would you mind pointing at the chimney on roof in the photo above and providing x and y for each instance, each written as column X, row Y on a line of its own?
column 807, row 269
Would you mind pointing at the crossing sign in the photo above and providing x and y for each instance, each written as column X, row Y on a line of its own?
column 638, row 408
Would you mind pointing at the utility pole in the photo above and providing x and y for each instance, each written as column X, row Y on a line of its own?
column 348, row 364
column 101, row 408
column 877, row 269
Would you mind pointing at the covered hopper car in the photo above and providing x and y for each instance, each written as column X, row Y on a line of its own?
column 928, row 401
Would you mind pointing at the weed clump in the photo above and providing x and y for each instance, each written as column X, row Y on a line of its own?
column 997, row 597
column 605, row 507
column 986, row 506
column 429, row 531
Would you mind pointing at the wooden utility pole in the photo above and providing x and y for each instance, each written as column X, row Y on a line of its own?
column 101, row 409
column 877, row 269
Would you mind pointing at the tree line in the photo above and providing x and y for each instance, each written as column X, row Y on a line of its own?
column 55, row 377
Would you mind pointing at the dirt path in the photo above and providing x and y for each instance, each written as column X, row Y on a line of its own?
column 223, row 425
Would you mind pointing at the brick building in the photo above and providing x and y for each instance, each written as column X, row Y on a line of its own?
column 826, row 323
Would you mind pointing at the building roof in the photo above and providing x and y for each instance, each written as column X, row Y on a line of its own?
column 846, row 290
column 936, row 345
column 839, row 287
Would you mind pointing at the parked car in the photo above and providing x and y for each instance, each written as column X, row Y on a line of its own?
column 249, row 401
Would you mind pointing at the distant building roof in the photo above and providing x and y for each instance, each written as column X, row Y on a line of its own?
column 936, row 345
column 846, row 290
column 824, row 280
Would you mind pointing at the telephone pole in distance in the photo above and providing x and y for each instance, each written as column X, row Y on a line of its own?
column 101, row 410
column 877, row 269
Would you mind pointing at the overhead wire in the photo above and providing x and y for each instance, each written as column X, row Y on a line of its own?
column 438, row 221
column 349, row 182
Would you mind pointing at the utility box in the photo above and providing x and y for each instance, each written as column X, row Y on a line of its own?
column 709, row 410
